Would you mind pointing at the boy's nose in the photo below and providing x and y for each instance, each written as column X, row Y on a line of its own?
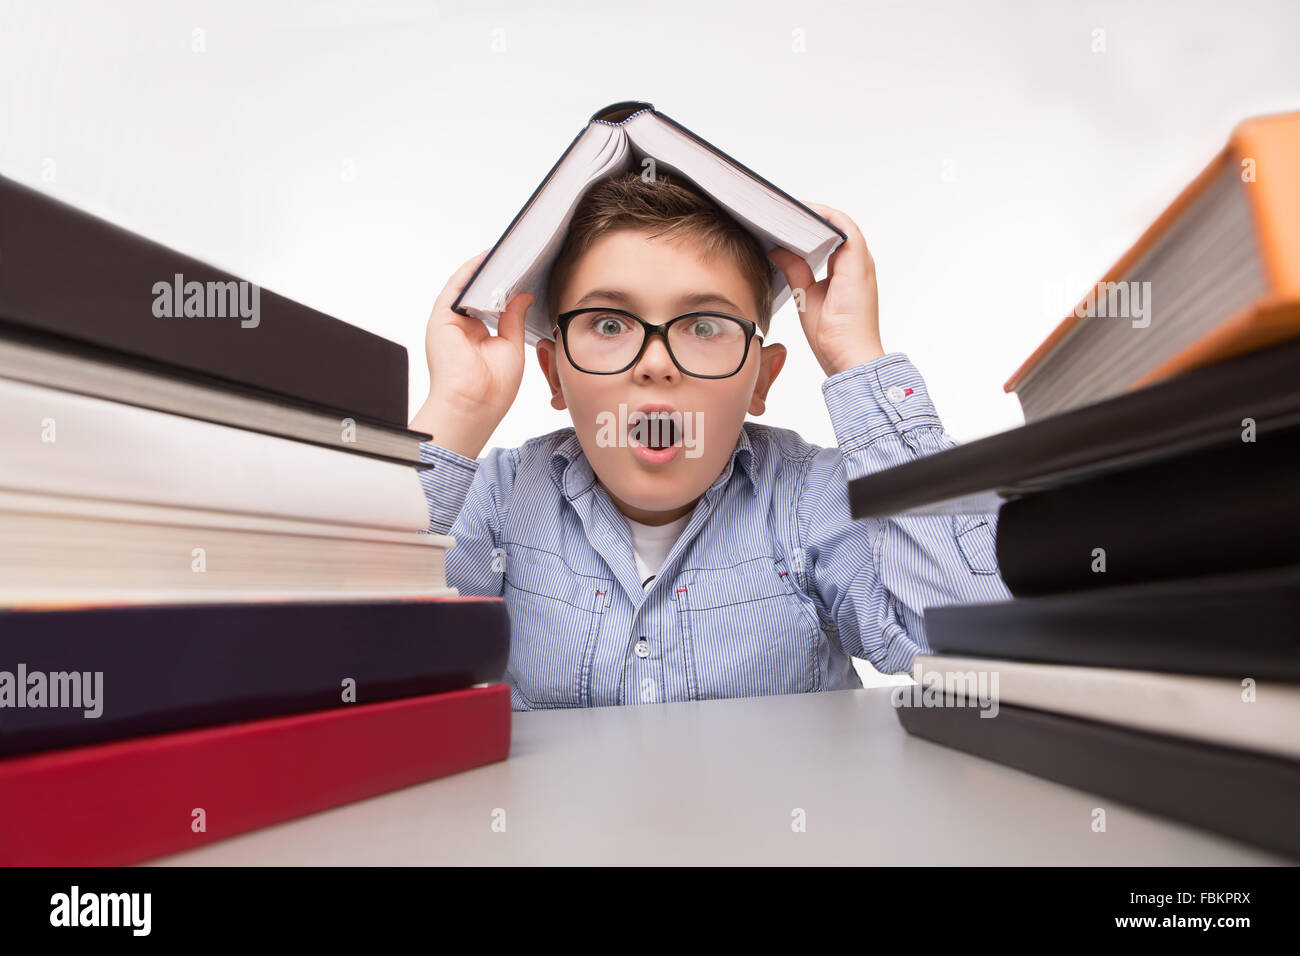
column 655, row 362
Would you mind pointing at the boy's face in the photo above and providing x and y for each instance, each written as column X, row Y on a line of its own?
column 658, row 277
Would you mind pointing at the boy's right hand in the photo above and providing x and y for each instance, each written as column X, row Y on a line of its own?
column 474, row 375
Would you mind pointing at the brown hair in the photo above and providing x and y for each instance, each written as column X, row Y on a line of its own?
column 673, row 210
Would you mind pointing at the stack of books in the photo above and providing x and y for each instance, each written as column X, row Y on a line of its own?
column 218, row 606
column 1149, row 524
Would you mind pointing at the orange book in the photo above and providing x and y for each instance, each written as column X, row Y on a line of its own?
column 1216, row 275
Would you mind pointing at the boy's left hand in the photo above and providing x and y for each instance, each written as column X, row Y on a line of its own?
column 840, row 313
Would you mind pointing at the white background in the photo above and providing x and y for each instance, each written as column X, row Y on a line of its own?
column 352, row 154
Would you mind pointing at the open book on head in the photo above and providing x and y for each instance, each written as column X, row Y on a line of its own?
column 618, row 139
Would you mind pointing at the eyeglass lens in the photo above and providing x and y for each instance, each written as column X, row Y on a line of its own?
column 702, row 344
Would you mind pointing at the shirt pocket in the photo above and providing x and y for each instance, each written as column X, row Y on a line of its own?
column 746, row 632
column 975, row 539
column 555, row 620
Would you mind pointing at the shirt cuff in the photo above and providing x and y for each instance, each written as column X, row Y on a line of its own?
column 878, row 399
column 446, row 484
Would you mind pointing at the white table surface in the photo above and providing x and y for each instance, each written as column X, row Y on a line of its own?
column 717, row 782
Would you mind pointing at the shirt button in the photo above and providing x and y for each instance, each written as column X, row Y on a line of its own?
column 895, row 394
column 642, row 649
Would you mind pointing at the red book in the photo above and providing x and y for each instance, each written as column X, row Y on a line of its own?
column 127, row 801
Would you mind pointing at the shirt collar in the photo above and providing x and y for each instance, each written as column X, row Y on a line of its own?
column 573, row 474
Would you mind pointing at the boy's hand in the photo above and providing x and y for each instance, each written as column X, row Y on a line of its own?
column 840, row 313
column 474, row 375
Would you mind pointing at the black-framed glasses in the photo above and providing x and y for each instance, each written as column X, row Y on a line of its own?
column 601, row 340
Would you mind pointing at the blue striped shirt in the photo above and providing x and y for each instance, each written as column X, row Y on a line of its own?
column 770, row 589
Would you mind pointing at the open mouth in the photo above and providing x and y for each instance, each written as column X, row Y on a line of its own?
column 655, row 429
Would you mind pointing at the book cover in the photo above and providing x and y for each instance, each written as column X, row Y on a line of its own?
column 1242, row 794
column 124, row 802
column 72, row 274
column 1200, row 408
column 1232, row 506
column 618, row 138
column 78, row 676
column 1242, row 625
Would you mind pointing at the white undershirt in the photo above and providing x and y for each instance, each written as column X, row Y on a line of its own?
column 651, row 544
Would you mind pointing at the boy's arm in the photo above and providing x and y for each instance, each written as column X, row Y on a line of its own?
column 875, row 577
column 473, row 379
column 466, row 499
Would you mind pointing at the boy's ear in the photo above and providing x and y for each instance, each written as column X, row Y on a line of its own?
column 771, row 360
column 548, row 358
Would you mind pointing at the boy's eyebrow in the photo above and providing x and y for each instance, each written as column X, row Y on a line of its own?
column 689, row 301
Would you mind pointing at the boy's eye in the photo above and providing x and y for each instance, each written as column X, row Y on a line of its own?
column 703, row 327
column 606, row 324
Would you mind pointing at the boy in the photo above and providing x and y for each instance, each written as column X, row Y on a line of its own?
column 687, row 554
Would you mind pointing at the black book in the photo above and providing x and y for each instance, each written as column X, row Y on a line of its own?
column 1232, row 506
column 68, row 273
column 1243, row 794
column 1230, row 626
column 105, row 673
column 1201, row 407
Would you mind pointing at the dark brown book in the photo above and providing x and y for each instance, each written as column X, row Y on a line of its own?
column 129, row 671
column 66, row 272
